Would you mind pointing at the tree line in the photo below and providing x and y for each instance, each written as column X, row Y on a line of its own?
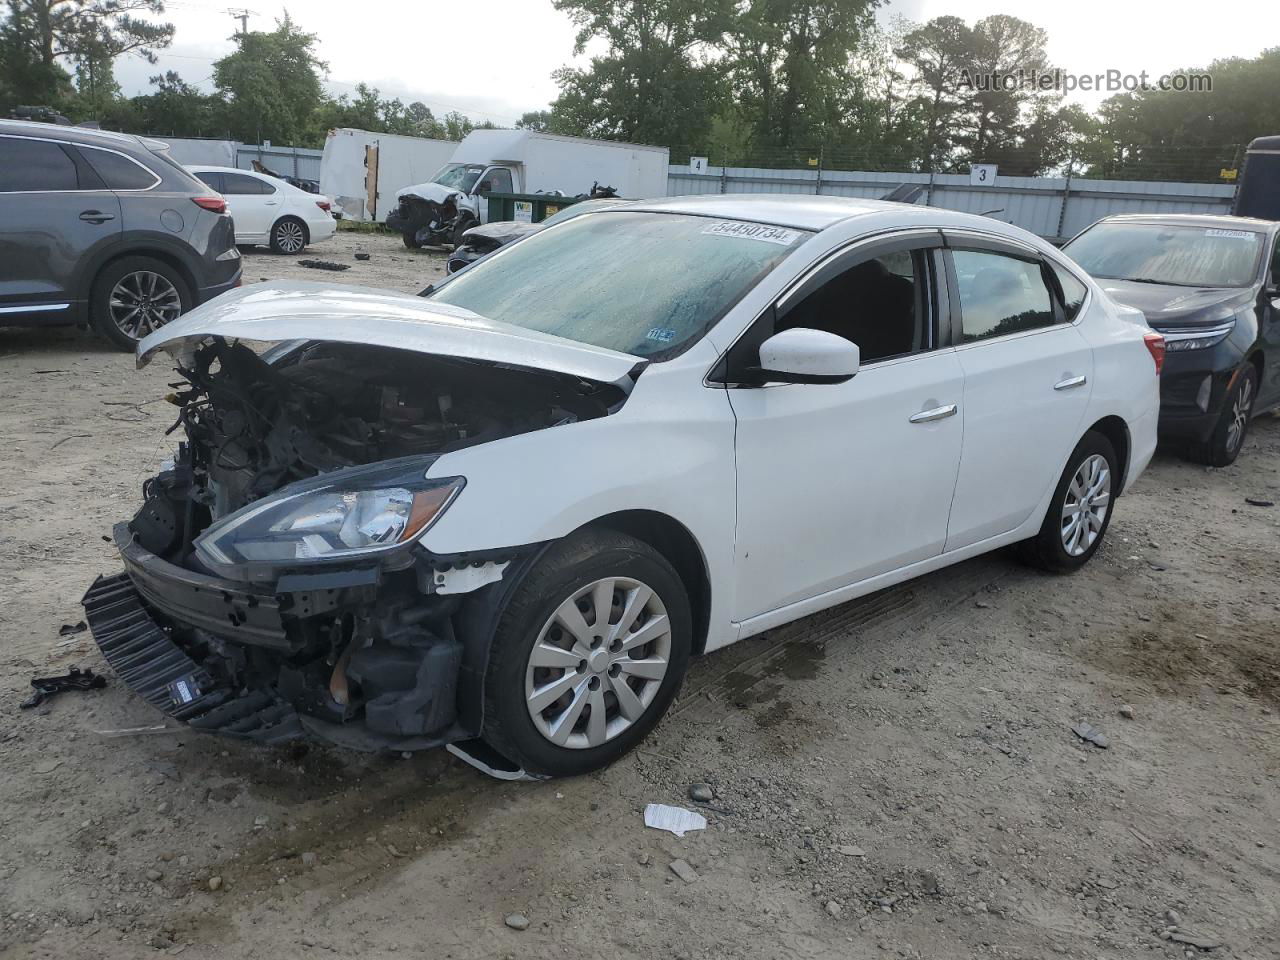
column 776, row 83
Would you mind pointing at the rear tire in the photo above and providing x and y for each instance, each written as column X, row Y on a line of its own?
column 289, row 236
column 1227, row 439
column 1080, row 510
column 134, row 296
column 627, row 667
column 411, row 241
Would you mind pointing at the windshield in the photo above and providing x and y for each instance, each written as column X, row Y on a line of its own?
column 1157, row 253
column 458, row 176
column 640, row 283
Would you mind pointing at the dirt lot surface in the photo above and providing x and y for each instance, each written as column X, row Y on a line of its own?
column 895, row 777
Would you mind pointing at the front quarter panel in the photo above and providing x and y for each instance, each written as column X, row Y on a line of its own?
column 670, row 449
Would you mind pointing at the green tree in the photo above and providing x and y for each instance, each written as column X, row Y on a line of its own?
column 653, row 83
column 26, row 78
column 790, row 65
column 271, row 84
column 1001, row 45
column 937, row 53
column 176, row 108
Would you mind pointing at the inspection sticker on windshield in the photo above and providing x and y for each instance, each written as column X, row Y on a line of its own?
column 753, row 231
column 661, row 334
column 1234, row 234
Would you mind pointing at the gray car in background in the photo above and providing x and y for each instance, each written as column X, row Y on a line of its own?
column 105, row 229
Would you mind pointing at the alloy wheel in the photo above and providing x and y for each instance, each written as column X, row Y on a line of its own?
column 1240, row 407
column 289, row 236
column 598, row 663
column 142, row 302
column 1084, row 510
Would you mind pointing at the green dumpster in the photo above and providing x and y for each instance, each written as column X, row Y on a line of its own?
column 525, row 207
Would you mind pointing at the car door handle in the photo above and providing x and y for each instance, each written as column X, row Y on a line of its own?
column 1071, row 382
column 937, row 413
column 272, row 203
column 95, row 216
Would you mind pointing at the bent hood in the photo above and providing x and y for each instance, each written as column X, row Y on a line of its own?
column 296, row 310
column 1169, row 305
column 434, row 192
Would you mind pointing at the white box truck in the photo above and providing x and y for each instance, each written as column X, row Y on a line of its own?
column 441, row 209
column 363, row 171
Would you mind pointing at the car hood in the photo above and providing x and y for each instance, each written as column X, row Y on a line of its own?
column 435, row 192
column 296, row 310
column 503, row 231
column 1170, row 305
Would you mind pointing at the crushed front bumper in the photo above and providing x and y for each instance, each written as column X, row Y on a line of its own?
column 171, row 635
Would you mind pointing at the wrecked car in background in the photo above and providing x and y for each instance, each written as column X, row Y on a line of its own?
column 483, row 240
column 503, row 517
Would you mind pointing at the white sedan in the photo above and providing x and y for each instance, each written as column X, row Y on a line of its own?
column 504, row 516
column 266, row 210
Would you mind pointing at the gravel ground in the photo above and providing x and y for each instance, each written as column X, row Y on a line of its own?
column 895, row 777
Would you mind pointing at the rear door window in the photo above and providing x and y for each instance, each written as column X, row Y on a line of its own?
column 239, row 184
column 35, row 166
column 1000, row 295
column 117, row 171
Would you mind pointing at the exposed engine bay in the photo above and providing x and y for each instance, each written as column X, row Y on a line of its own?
column 362, row 653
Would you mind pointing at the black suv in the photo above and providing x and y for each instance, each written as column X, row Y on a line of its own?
column 105, row 229
column 1211, row 285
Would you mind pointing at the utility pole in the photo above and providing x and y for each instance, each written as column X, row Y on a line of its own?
column 241, row 14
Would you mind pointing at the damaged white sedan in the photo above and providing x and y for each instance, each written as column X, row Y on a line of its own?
column 504, row 516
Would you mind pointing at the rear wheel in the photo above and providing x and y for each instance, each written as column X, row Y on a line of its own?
column 588, row 655
column 411, row 241
column 1080, row 511
column 1227, row 439
column 289, row 235
column 134, row 296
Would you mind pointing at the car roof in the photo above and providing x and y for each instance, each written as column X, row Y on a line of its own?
column 86, row 135
column 1220, row 220
column 210, row 168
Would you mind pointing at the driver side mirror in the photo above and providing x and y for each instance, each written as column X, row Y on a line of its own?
column 802, row 355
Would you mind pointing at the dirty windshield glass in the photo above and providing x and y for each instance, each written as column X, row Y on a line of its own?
column 1158, row 253
column 459, row 176
column 640, row 283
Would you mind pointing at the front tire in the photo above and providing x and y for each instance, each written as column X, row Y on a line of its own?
column 1227, row 439
column 588, row 655
column 1080, row 511
column 134, row 296
column 289, row 236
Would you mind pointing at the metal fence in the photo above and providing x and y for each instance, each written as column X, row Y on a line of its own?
column 301, row 162
column 1055, row 208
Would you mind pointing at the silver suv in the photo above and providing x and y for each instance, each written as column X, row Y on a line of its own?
column 105, row 229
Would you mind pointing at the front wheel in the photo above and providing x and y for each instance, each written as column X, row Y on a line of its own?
column 1080, row 511
column 1227, row 439
column 588, row 655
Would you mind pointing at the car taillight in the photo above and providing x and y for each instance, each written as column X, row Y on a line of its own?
column 323, row 205
column 1155, row 344
column 212, row 204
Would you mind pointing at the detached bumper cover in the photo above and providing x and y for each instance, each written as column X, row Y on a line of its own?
column 158, row 670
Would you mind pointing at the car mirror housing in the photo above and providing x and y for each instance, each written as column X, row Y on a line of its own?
column 802, row 355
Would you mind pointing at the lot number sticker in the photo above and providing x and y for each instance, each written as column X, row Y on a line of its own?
column 1234, row 234
column 753, row 231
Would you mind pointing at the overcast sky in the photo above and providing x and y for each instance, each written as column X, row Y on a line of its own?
column 493, row 59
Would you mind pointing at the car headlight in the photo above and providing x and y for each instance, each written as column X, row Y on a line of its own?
column 347, row 514
column 1198, row 338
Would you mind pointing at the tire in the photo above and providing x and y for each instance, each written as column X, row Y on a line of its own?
column 461, row 227
column 159, row 291
column 411, row 241
column 1227, row 439
column 290, row 236
column 1061, row 546
column 581, row 565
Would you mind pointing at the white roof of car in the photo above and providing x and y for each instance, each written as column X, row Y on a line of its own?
column 210, row 168
column 819, row 212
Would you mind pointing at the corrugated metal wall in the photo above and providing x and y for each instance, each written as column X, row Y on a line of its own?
column 1033, row 203
column 301, row 162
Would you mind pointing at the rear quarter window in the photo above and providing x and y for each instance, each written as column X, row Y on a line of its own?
column 1073, row 291
column 117, row 171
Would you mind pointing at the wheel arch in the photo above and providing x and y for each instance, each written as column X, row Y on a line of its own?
column 1258, row 361
column 1117, row 431
column 165, row 256
column 680, row 548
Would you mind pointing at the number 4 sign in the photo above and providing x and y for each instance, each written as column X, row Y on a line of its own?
column 697, row 164
column 982, row 174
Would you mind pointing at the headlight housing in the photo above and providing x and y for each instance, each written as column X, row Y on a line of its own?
column 374, row 511
column 1198, row 338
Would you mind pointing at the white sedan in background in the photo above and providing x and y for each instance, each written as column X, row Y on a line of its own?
column 267, row 210
column 515, row 508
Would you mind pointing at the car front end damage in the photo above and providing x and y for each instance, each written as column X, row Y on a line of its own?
column 275, row 585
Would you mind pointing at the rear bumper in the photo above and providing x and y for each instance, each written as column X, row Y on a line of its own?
column 205, row 294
